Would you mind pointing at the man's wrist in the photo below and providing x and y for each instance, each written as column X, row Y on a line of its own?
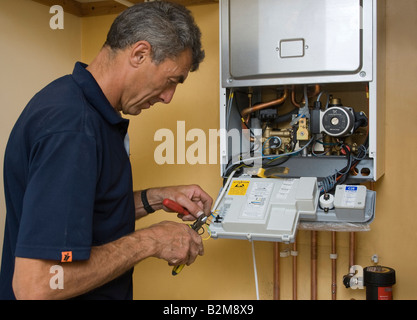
column 145, row 202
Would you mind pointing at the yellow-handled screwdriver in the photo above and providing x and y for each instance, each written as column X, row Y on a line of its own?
column 177, row 269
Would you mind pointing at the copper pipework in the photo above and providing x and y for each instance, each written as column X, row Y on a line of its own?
column 264, row 105
column 313, row 265
column 294, row 271
column 295, row 103
column 352, row 245
column 309, row 95
column 315, row 92
column 276, row 272
column 334, row 282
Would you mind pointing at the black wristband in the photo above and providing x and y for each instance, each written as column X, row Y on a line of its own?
column 145, row 202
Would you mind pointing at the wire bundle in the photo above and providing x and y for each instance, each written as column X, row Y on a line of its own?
column 329, row 182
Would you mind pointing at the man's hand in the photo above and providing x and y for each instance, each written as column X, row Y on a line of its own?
column 191, row 197
column 175, row 242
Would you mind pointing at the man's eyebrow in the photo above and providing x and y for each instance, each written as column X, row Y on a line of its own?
column 179, row 79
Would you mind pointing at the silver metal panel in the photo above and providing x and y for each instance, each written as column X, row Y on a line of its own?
column 295, row 41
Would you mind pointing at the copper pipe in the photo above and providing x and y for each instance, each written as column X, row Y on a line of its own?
column 294, row 271
column 333, row 257
column 247, row 119
column 264, row 105
column 372, row 185
column 313, row 94
column 295, row 103
column 352, row 245
column 276, row 272
column 313, row 265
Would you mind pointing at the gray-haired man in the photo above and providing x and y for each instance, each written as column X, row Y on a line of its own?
column 68, row 179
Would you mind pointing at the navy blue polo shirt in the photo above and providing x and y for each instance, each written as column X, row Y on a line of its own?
column 67, row 180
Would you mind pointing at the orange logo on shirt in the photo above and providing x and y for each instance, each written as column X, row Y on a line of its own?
column 66, row 256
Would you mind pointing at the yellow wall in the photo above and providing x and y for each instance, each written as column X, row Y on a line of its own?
column 226, row 270
column 31, row 55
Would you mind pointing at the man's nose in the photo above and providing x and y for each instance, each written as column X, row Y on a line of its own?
column 167, row 95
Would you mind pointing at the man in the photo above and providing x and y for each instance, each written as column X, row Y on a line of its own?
column 67, row 175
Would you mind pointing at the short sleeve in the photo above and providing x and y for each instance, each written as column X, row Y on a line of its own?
column 58, row 204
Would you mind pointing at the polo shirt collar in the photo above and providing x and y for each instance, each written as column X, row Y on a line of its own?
column 95, row 95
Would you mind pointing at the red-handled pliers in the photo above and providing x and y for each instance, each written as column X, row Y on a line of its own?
column 172, row 205
column 196, row 226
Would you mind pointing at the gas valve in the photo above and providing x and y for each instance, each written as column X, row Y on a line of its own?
column 354, row 279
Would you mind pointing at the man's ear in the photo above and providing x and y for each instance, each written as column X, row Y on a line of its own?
column 139, row 52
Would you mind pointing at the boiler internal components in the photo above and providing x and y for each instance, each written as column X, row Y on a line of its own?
column 297, row 100
column 337, row 120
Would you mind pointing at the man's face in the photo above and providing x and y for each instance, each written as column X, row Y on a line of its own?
column 155, row 83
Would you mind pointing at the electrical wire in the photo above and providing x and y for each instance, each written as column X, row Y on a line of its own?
column 327, row 100
column 229, row 107
column 226, row 185
column 322, row 143
column 328, row 183
column 288, row 154
column 230, row 100
column 220, row 197
column 255, row 270
column 209, row 234
column 271, row 158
